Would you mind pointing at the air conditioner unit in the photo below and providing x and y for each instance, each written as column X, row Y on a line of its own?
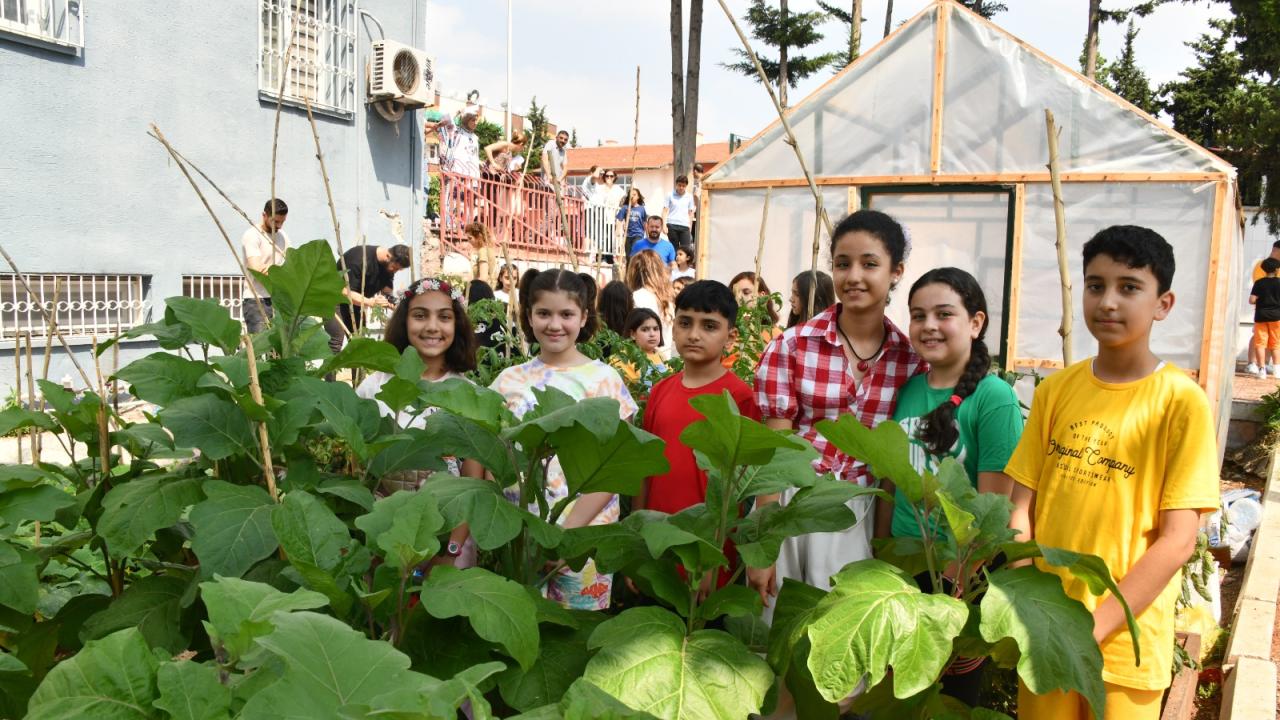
column 399, row 72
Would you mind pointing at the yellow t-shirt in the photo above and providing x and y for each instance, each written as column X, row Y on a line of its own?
column 1258, row 274
column 1105, row 459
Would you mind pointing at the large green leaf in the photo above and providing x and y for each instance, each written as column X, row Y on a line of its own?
column 1094, row 572
column 192, row 691
column 875, row 618
column 29, row 504
column 478, row 404
column 161, row 377
column 819, row 508
column 646, row 661
column 405, row 526
column 329, row 668
column 16, row 418
column 500, row 610
column 240, row 611
column 1054, row 633
column 210, row 323
column 561, row 662
column 493, row 519
column 232, row 528
column 354, row 418
column 110, row 679
column 585, row 701
column 19, row 579
column 167, row 332
column 884, row 450
column 307, row 283
column 728, row 439
column 790, row 467
column 450, row 434
column 613, row 546
column 410, row 449
column 308, row 531
column 153, row 605
column 425, row 698
column 598, row 415
column 363, row 352
column 616, row 465
column 217, row 427
column 134, row 511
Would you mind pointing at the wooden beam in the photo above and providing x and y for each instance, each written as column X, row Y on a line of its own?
column 1015, row 276
column 982, row 179
column 1048, row 364
column 855, row 199
column 862, row 58
column 1215, row 296
column 939, row 79
column 704, row 235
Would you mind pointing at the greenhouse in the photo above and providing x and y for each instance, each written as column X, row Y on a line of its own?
column 942, row 124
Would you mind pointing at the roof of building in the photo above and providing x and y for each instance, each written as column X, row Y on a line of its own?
column 647, row 157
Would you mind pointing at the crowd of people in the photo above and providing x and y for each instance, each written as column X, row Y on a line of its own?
column 1116, row 459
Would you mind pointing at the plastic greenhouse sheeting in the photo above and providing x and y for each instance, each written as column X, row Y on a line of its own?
column 1182, row 213
column 874, row 116
column 994, row 97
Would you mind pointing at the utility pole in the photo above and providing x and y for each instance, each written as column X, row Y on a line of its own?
column 506, row 112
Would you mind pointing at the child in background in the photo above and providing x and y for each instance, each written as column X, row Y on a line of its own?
column 632, row 226
column 677, row 213
column 650, row 284
column 432, row 319
column 684, row 263
column 1119, row 459
column 704, row 327
column 615, row 306
column 747, row 288
column 958, row 409
column 1265, row 298
column 823, row 297
column 681, row 283
column 644, row 328
column 557, row 308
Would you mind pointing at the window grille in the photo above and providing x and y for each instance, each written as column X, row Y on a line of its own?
column 228, row 290
column 87, row 305
column 319, row 36
column 59, row 22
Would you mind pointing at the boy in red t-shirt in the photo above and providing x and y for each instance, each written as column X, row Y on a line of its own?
column 704, row 328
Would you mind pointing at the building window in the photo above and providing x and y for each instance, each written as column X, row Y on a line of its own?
column 228, row 290
column 319, row 38
column 57, row 23
column 86, row 305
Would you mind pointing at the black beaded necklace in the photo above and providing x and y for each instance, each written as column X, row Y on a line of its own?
column 863, row 362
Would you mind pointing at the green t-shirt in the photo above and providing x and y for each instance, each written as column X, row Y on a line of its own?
column 990, row 423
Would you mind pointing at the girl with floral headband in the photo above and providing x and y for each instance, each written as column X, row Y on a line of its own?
column 432, row 319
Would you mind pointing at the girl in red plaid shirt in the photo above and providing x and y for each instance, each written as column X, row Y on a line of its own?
column 849, row 358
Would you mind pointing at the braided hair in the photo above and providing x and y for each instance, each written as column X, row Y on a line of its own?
column 938, row 431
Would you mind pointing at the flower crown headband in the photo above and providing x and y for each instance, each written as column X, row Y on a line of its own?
column 432, row 283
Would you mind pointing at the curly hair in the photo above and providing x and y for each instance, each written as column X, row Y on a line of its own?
column 646, row 270
column 880, row 225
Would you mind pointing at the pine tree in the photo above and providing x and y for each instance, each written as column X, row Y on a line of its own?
column 1128, row 80
column 786, row 31
column 985, row 8
column 573, row 138
column 537, row 130
column 846, row 17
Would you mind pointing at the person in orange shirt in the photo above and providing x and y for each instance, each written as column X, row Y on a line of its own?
column 1257, row 358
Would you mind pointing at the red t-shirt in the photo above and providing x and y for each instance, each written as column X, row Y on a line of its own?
column 666, row 416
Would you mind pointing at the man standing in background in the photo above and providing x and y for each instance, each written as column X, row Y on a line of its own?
column 264, row 245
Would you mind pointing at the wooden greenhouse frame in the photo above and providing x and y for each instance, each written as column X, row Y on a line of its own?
column 1215, row 354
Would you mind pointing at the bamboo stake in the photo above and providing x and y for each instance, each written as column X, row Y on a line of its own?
column 1060, row 224
column 37, row 301
column 786, row 124
column 31, row 398
column 51, row 330
column 255, row 390
column 17, row 382
column 635, row 151
column 328, row 192
column 764, row 221
column 275, row 134
column 104, row 447
column 813, row 268
column 160, row 138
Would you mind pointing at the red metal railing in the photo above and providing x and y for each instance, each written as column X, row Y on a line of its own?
column 527, row 206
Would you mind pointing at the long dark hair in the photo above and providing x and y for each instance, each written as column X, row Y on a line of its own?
column 579, row 286
column 823, row 297
column 460, row 356
column 640, row 316
column 938, row 431
column 885, row 229
column 615, row 304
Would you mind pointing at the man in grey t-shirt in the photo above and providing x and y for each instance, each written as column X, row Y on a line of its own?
column 555, row 159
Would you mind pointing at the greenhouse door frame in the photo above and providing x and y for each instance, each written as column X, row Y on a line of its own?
column 1013, row 192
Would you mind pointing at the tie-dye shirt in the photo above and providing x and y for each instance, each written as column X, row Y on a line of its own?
column 588, row 589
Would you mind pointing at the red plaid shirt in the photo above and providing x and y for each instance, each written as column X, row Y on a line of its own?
column 805, row 377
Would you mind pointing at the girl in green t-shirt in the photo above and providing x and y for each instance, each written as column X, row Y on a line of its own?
column 957, row 409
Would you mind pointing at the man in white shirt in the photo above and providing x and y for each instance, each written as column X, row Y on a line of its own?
column 264, row 246
column 555, row 159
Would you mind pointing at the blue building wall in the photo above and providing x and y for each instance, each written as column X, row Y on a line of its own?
column 83, row 189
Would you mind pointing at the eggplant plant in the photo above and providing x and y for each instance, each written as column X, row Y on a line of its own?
column 230, row 555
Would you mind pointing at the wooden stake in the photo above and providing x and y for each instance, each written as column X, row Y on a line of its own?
column 52, row 329
column 764, row 221
column 255, row 391
column 786, row 124
column 328, row 192
column 104, row 446
column 17, row 381
column 31, row 398
column 1060, row 223
column 635, row 151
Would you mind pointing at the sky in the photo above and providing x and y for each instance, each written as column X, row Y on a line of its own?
column 579, row 57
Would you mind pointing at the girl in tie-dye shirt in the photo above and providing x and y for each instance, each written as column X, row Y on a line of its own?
column 557, row 307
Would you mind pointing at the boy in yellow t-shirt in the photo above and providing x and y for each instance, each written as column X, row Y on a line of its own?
column 1118, row 459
